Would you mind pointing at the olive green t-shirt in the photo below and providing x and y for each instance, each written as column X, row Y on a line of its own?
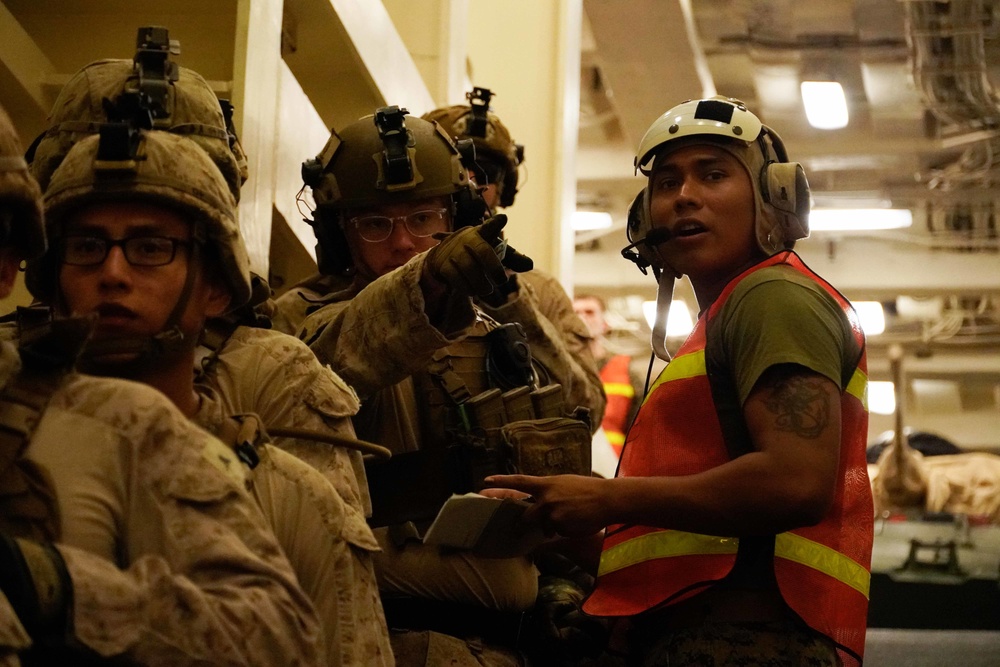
column 776, row 315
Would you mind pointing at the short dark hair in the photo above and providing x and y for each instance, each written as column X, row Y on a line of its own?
column 599, row 300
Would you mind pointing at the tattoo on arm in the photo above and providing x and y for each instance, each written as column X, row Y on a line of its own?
column 800, row 405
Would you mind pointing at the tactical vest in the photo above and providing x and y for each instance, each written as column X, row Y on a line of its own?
column 822, row 571
column 620, row 394
column 479, row 414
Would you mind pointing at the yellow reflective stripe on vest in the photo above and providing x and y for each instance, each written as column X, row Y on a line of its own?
column 820, row 557
column 693, row 365
column 619, row 389
column 615, row 437
column 666, row 544
column 663, row 544
column 680, row 368
column 858, row 387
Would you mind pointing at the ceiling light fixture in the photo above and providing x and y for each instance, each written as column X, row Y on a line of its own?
column 858, row 219
column 826, row 106
column 588, row 220
column 871, row 315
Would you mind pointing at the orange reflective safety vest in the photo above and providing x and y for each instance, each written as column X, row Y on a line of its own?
column 823, row 571
column 620, row 393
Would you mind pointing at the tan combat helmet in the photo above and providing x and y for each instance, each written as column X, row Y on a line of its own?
column 385, row 158
column 20, row 196
column 476, row 121
column 151, row 88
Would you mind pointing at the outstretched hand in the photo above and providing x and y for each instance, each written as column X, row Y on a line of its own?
column 567, row 505
column 466, row 262
column 509, row 257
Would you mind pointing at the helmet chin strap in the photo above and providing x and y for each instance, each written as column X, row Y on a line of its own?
column 664, row 295
column 103, row 357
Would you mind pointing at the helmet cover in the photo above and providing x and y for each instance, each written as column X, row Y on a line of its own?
column 103, row 90
column 476, row 121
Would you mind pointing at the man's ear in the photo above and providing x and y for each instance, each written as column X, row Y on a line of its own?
column 218, row 299
column 10, row 261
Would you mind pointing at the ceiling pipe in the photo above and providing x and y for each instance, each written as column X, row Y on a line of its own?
column 947, row 42
column 947, row 48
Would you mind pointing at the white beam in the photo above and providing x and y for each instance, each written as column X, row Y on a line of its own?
column 528, row 54
column 872, row 268
column 24, row 60
column 301, row 135
column 383, row 53
column 256, row 85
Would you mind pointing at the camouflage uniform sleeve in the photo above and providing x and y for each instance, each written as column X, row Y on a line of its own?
column 202, row 579
column 383, row 334
column 558, row 339
column 13, row 637
column 278, row 377
column 290, row 310
column 330, row 547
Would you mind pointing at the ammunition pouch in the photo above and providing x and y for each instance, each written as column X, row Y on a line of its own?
column 504, row 437
column 554, row 446
column 481, row 415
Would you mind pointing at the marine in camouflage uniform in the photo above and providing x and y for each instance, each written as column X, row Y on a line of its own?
column 497, row 161
column 321, row 526
column 410, row 306
column 249, row 362
column 532, row 298
column 146, row 507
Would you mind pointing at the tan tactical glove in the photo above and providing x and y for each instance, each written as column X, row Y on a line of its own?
column 473, row 260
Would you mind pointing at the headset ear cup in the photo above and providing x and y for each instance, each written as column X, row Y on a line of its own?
column 333, row 255
column 509, row 188
column 787, row 191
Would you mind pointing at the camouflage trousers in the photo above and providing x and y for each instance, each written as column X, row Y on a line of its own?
column 762, row 644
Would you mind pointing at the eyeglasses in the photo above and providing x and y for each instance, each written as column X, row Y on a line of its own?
column 139, row 250
column 377, row 228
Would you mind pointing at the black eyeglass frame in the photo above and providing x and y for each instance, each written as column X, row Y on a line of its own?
column 129, row 245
